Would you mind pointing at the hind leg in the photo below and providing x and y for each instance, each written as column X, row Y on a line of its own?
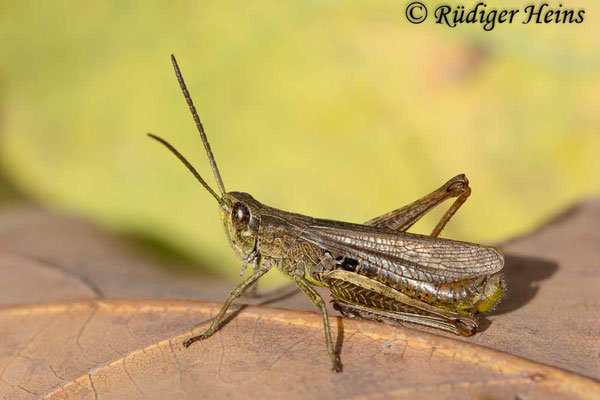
column 403, row 218
column 362, row 297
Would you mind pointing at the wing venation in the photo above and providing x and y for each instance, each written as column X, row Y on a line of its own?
column 409, row 255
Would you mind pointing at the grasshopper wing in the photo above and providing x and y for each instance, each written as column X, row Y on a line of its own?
column 417, row 257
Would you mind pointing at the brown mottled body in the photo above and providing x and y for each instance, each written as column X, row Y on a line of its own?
column 374, row 270
column 443, row 273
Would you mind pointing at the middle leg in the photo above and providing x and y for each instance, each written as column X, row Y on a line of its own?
column 317, row 300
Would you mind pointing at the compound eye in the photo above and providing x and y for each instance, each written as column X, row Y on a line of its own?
column 240, row 215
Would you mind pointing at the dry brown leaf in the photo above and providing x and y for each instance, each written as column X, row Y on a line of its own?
column 57, row 349
column 133, row 349
column 26, row 280
column 552, row 307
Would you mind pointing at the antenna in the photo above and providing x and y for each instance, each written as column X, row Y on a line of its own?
column 188, row 99
column 187, row 164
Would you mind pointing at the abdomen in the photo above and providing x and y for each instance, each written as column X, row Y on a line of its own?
column 465, row 297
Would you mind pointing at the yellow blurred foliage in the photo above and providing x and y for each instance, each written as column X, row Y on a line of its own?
column 341, row 110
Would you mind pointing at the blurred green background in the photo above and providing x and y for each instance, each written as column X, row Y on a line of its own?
column 336, row 109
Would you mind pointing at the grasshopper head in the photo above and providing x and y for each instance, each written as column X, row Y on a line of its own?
column 240, row 221
column 239, row 211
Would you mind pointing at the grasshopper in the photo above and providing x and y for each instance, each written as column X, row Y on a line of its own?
column 374, row 270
